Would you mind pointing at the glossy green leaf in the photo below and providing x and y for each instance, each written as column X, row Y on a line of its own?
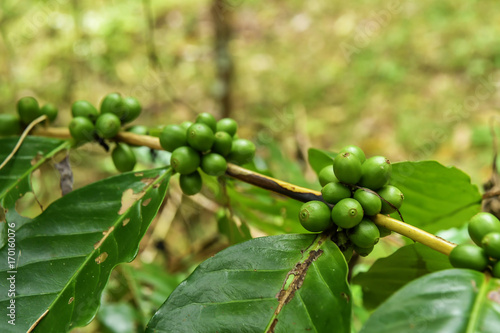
column 318, row 159
column 389, row 274
column 436, row 197
column 237, row 290
column 64, row 256
column 449, row 301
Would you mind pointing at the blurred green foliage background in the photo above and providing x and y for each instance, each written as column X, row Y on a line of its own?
column 405, row 79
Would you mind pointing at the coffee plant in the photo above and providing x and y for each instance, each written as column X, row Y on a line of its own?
column 54, row 266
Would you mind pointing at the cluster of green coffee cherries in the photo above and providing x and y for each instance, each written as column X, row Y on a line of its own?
column 28, row 110
column 89, row 124
column 206, row 145
column 484, row 230
column 357, row 188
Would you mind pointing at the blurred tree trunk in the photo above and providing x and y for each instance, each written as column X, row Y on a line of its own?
column 222, row 14
column 150, row 37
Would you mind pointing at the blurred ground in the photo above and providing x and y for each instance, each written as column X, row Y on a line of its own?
column 406, row 79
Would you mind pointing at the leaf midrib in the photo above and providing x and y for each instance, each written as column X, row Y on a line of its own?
column 478, row 304
column 65, row 144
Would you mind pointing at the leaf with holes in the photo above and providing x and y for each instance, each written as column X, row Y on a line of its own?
column 285, row 283
column 389, row 274
column 451, row 301
column 436, row 197
column 64, row 256
column 15, row 175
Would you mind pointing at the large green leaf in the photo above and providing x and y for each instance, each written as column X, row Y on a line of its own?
column 436, row 197
column 238, row 289
column 450, row 301
column 389, row 274
column 64, row 256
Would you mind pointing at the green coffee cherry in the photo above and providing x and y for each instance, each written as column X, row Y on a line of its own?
column 107, row 125
column 130, row 109
column 9, row 125
column 347, row 168
column 112, row 104
column 213, row 164
column 315, row 216
column 491, row 244
column 139, row 129
column 370, row 202
column 173, row 137
column 482, row 224
column 50, row 110
column 186, row 125
column 356, row 151
column 468, row 256
column 326, row 175
column 185, row 160
column 123, row 157
column 81, row 129
column 191, row 183
column 200, row 137
column 227, row 125
column 376, row 172
column 222, row 143
column 496, row 269
column 365, row 234
column 242, row 151
column 28, row 109
column 207, row 119
column 393, row 195
column 362, row 251
column 334, row 192
column 84, row 109
column 347, row 213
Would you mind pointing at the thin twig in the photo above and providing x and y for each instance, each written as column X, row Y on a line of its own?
column 21, row 139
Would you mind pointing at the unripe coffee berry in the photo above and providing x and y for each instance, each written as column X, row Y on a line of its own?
column 84, row 109
column 315, row 216
column 347, row 168
column 347, row 213
column 185, row 160
column 200, row 137
column 191, row 183
column 376, row 172
column 227, row 125
column 173, row 137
